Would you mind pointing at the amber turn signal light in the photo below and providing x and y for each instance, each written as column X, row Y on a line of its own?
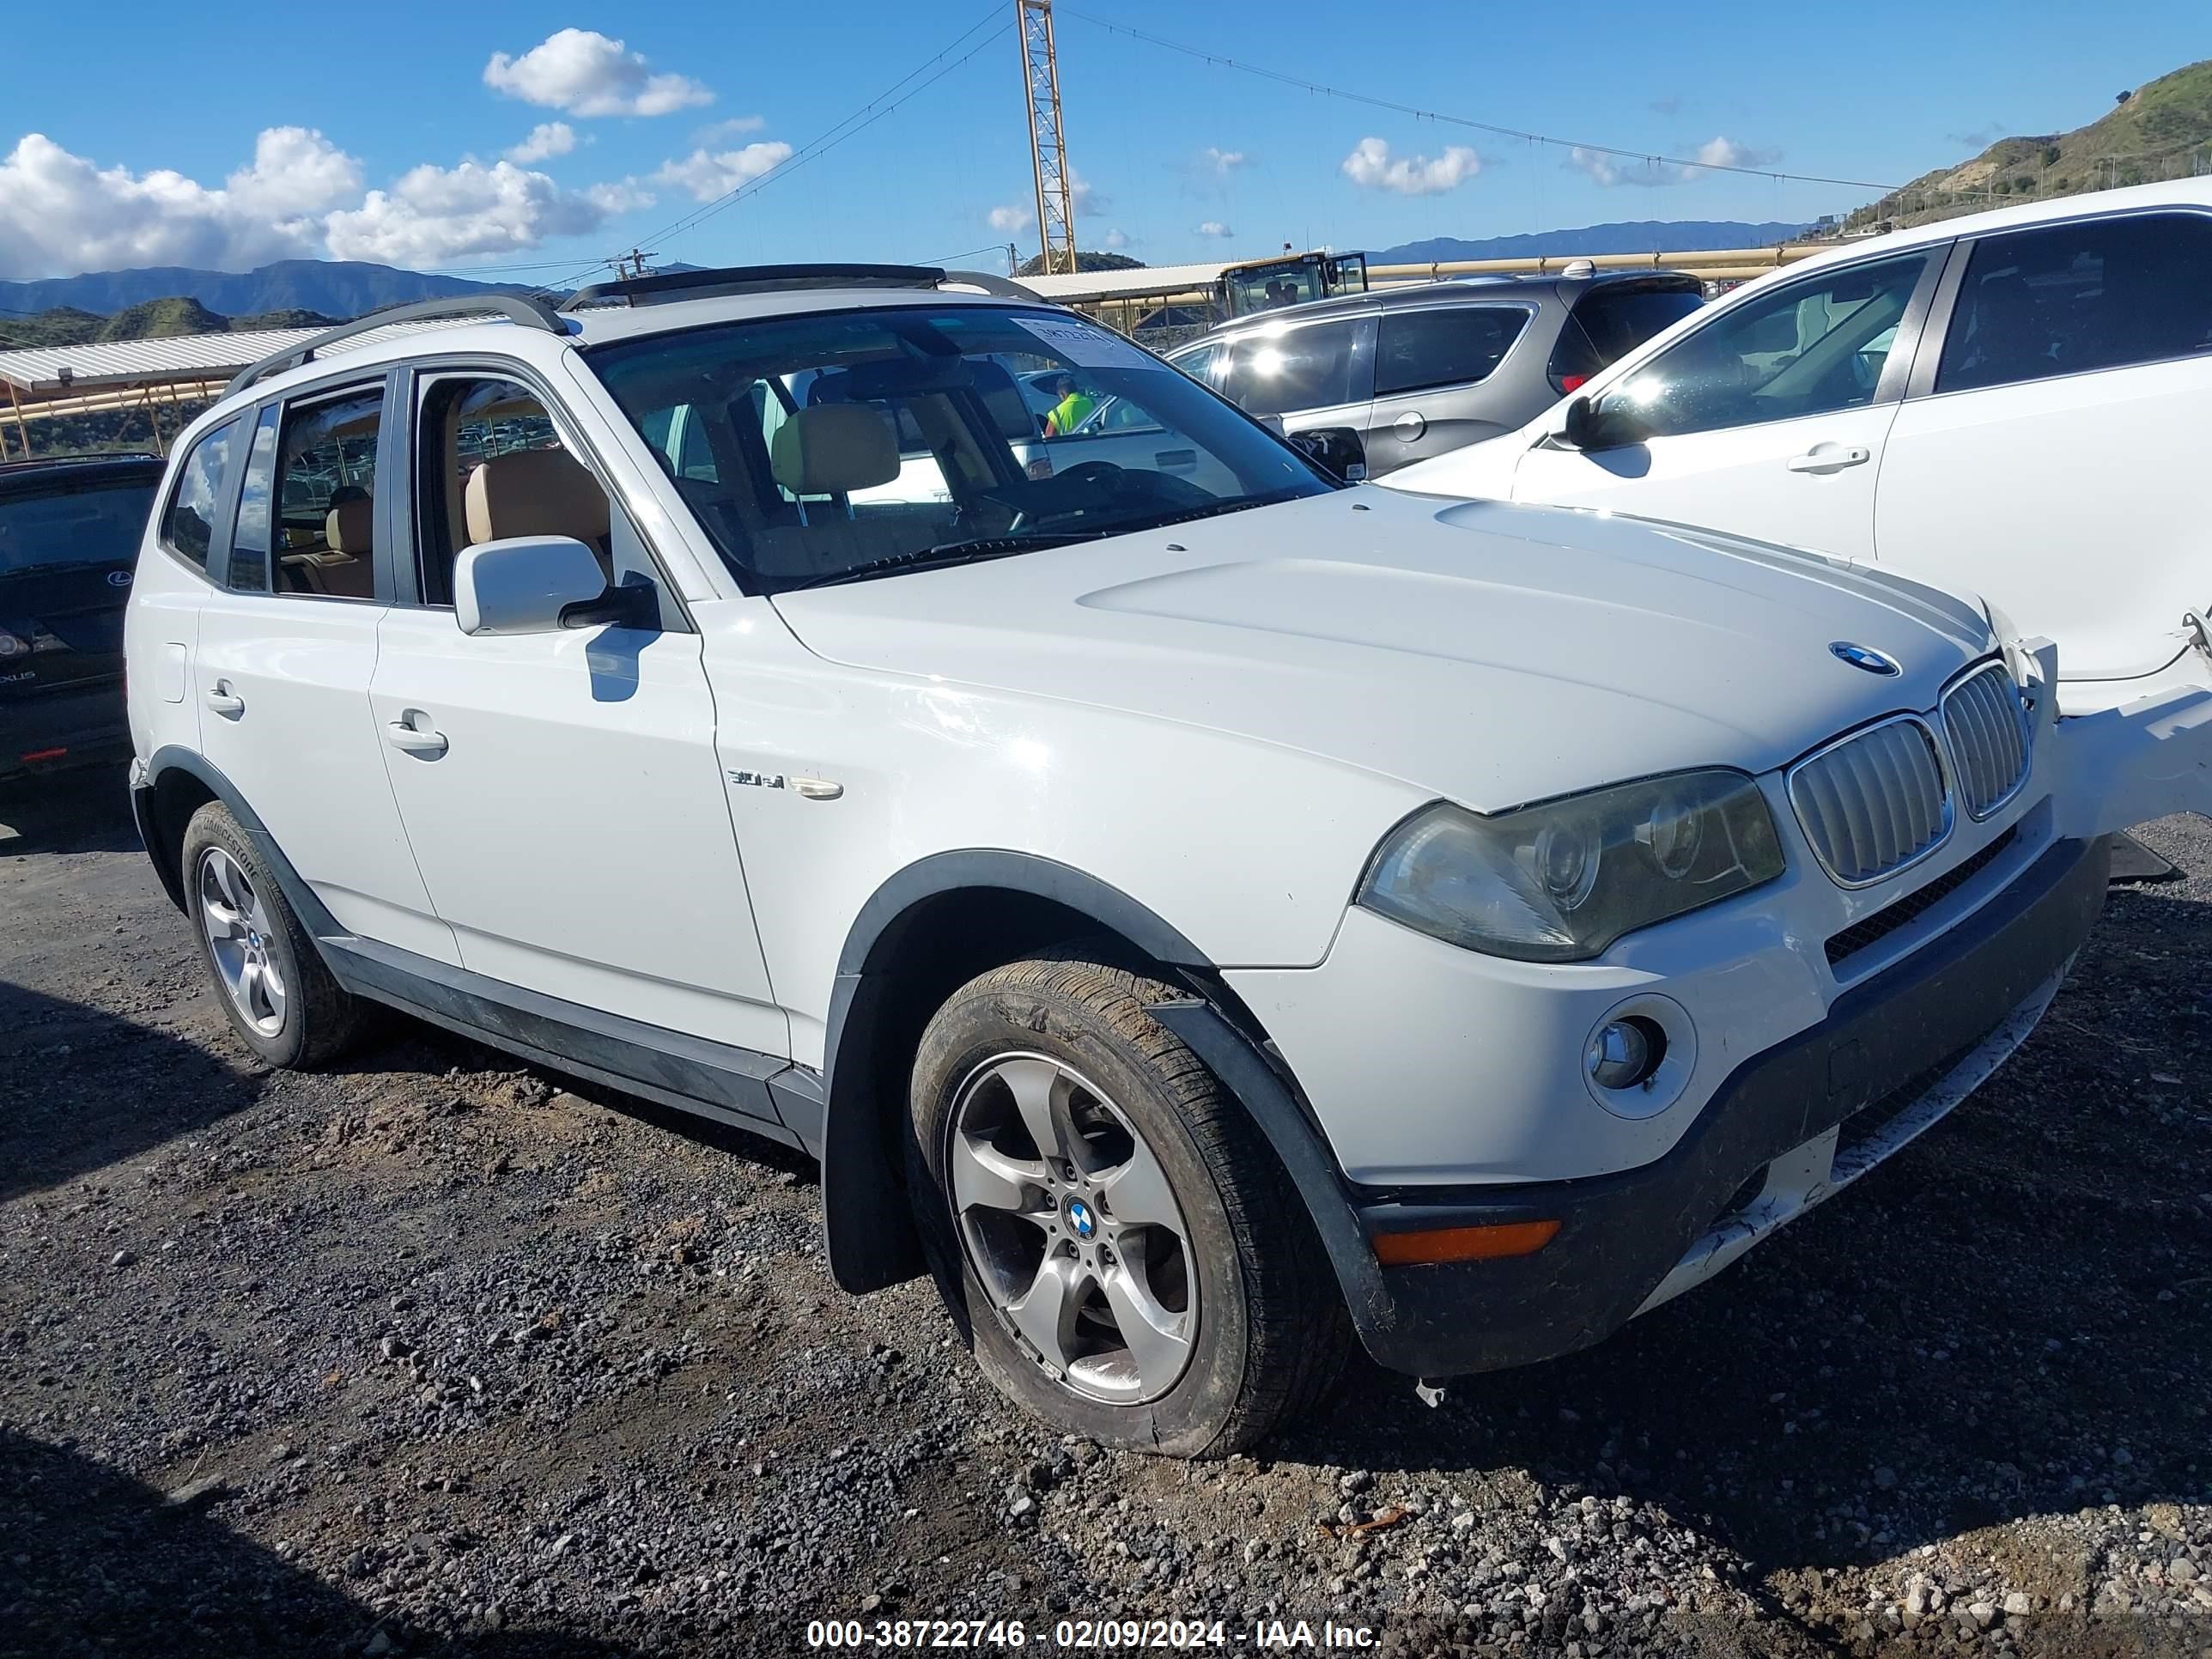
column 1440, row 1244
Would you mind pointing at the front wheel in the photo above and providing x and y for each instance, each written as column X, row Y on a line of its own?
column 1110, row 1231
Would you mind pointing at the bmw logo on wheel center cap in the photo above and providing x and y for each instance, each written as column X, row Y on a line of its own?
column 1081, row 1218
column 1866, row 657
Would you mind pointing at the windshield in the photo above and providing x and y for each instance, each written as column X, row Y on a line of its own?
column 834, row 446
column 81, row 527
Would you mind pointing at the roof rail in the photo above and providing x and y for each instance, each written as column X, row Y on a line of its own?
column 668, row 285
column 520, row 309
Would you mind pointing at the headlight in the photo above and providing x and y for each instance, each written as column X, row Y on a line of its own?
column 1560, row 882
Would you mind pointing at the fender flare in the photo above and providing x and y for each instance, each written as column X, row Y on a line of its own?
column 313, row 914
column 869, row 1237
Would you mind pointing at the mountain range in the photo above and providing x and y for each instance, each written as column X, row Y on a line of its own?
column 1631, row 236
column 333, row 287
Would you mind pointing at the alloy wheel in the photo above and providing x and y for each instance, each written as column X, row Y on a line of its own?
column 1072, row 1228
column 238, row 935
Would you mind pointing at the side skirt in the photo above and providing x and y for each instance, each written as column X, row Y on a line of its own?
column 762, row 1093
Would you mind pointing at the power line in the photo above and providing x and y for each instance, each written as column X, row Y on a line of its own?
column 1464, row 121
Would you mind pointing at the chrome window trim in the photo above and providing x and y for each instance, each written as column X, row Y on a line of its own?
column 1944, row 781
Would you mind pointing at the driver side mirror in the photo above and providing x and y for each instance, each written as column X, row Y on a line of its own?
column 541, row 585
column 1337, row 449
column 1613, row 426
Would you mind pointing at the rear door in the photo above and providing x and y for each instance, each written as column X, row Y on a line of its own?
column 1769, row 419
column 2053, row 454
column 1432, row 366
column 287, row 649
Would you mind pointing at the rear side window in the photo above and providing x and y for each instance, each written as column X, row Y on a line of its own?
column 1610, row 321
column 188, row 522
column 1309, row 367
column 1415, row 349
column 249, row 537
column 325, row 496
column 2066, row 299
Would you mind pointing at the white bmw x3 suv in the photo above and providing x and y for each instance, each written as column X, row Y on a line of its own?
column 1200, row 912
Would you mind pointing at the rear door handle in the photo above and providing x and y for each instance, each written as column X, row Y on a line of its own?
column 224, row 701
column 422, row 740
column 1831, row 458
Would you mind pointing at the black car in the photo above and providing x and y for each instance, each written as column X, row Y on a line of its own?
column 69, row 538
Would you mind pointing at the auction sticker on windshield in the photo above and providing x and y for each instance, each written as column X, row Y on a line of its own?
column 1087, row 346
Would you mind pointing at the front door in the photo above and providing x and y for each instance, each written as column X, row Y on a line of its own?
column 2057, row 462
column 1770, row 421
column 561, row 791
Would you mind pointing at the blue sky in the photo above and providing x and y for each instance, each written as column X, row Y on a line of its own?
column 499, row 136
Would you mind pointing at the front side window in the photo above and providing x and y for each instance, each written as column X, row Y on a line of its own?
column 861, row 443
column 188, row 522
column 1454, row 346
column 326, row 497
column 2071, row 298
column 1281, row 371
column 492, row 465
column 1806, row 347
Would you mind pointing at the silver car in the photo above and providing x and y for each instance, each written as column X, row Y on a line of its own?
column 1415, row 372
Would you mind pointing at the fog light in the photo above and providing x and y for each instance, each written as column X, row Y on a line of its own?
column 1626, row 1053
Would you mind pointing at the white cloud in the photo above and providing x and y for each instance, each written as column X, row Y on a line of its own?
column 1011, row 218
column 582, row 72
column 1215, row 229
column 1223, row 162
column 1114, row 242
column 709, row 176
column 1609, row 170
column 1369, row 165
column 1726, row 153
column 61, row 213
column 736, row 126
column 435, row 215
column 547, row 139
column 299, row 198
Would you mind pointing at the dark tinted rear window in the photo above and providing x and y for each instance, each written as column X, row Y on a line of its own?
column 1453, row 346
column 1611, row 320
column 99, row 524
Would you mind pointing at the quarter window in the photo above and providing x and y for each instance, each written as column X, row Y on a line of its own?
column 188, row 522
column 1807, row 348
column 325, row 496
column 2070, row 298
column 1274, row 373
column 251, row 539
column 1459, row 346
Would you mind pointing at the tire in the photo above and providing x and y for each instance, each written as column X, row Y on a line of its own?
column 269, row 977
column 1239, row 1326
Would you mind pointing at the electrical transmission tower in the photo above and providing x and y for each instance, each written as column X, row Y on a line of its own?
column 1055, row 186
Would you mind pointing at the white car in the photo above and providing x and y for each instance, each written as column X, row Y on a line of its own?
column 2011, row 403
column 1201, row 924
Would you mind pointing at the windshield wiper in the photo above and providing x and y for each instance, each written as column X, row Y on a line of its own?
column 944, row 553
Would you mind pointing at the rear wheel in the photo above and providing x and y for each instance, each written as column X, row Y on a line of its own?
column 1109, row 1230
column 281, row 999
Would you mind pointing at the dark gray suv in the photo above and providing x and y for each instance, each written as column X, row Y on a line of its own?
column 1415, row 372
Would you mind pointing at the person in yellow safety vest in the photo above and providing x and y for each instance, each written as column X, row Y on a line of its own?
column 1073, row 408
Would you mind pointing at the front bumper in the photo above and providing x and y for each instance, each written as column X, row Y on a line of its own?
column 1788, row 1128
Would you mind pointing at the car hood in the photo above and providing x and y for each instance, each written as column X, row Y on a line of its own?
column 1490, row 653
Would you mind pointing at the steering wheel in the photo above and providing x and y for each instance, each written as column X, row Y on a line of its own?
column 1098, row 472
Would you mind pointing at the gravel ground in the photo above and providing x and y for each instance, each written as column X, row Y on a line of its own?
column 438, row 1355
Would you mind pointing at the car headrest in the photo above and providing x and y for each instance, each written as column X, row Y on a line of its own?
column 346, row 526
column 831, row 449
column 535, row 492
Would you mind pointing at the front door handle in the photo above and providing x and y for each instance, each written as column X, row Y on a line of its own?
column 1831, row 458
column 224, row 701
column 424, row 739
